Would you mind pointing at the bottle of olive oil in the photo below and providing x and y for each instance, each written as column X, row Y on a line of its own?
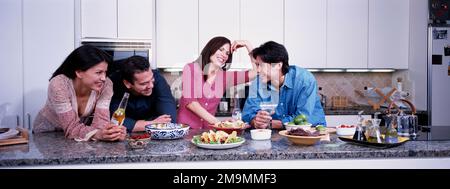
column 391, row 135
column 119, row 115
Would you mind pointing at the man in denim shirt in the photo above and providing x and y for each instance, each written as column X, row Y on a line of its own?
column 150, row 100
column 292, row 88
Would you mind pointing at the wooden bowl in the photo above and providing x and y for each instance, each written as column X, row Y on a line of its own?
column 300, row 140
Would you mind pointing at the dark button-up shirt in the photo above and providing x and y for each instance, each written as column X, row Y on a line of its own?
column 150, row 107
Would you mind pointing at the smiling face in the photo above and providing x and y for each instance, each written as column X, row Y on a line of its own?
column 94, row 77
column 142, row 83
column 221, row 55
column 268, row 71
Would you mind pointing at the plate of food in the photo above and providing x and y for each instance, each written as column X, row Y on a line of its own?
column 230, row 126
column 217, row 140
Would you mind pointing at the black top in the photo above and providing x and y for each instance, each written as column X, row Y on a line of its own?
column 150, row 107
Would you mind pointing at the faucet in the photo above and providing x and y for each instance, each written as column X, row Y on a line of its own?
column 323, row 100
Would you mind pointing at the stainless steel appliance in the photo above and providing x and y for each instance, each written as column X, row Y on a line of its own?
column 122, row 50
column 438, row 75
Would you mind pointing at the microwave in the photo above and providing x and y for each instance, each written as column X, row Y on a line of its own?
column 123, row 50
column 119, row 51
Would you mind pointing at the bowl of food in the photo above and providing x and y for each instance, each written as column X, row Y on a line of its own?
column 167, row 130
column 300, row 121
column 261, row 134
column 345, row 130
column 301, row 137
column 138, row 140
column 230, row 126
column 290, row 125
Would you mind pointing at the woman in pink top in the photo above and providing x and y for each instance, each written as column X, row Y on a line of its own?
column 205, row 80
column 78, row 100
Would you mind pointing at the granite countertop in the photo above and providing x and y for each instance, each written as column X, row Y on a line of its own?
column 54, row 149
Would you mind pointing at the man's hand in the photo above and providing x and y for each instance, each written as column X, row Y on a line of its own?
column 261, row 120
column 162, row 119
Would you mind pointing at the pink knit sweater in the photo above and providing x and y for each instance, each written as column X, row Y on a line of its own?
column 61, row 109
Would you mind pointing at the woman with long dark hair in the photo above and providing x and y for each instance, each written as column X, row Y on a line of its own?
column 78, row 100
column 206, row 79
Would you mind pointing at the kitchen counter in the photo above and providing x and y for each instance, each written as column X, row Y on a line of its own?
column 54, row 149
column 368, row 110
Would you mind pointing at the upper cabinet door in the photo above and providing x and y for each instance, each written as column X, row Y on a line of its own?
column 388, row 34
column 347, row 33
column 218, row 18
column 261, row 21
column 11, row 74
column 176, row 32
column 135, row 19
column 98, row 19
column 306, row 32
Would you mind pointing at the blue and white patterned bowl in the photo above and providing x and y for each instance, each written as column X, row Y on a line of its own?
column 167, row 130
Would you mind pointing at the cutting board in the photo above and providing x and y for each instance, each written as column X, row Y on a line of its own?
column 21, row 138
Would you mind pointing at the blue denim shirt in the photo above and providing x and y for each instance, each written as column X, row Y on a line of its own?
column 298, row 95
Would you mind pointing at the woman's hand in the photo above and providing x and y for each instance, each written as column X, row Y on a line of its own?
column 241, row 43
column 111, row 132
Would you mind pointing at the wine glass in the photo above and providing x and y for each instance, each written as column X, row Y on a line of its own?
column 270, row 108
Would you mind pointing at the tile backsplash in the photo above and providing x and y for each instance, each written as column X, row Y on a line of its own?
column 332, row 84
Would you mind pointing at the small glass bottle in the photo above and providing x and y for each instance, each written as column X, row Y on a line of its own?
column 374, row 131
column 359, row 133
column 119, row 115
column 236, row 114
column 391, row 135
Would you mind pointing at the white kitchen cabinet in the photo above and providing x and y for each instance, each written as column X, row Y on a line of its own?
column 388, row 34
column 48, row 38
column 336, row 120
column 11, row 75
column 117, row 19
column 176, row 33
column 218, row 18
column 259, row 26
column 347, row 33
column 305, row 32
column 98, row 18
column 135, row 19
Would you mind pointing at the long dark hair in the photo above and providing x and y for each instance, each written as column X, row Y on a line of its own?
column 210, row 48
column 82, row 58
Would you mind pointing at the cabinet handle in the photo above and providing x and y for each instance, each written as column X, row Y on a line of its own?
column 17, row 120
column 29, row 121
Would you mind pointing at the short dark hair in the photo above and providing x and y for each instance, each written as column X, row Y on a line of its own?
column 273, row 52
column 210, row 48
column 133, row 65
column 82, row 58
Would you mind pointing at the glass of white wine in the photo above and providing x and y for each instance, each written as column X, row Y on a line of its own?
column 270, row 108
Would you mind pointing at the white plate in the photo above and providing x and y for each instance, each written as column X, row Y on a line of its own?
column 11, row 133
column 219, row 146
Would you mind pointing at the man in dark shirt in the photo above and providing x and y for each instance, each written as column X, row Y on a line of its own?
column 150, row 100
